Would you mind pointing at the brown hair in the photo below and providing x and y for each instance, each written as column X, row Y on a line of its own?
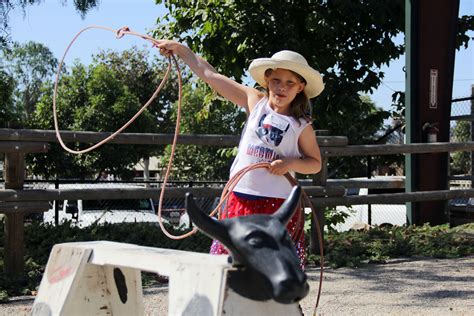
column 300, row 107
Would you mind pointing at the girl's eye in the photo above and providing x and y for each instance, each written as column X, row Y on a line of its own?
column 276, row 80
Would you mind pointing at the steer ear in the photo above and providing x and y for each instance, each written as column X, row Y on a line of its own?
column 288, row 208
column 207, row 224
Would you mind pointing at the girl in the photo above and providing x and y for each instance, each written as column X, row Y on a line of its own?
column 278, row 129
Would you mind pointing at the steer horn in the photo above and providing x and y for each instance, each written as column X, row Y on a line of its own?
column 207, row 224
column 288, row 208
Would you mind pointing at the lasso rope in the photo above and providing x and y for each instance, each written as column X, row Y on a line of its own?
column 296, row 234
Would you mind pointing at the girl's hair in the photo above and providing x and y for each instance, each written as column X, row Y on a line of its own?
column 300, row 107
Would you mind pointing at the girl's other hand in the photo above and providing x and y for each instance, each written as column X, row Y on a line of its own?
column 279, row 167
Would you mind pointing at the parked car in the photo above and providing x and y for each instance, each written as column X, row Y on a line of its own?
column 381, row 214
column 86, row 212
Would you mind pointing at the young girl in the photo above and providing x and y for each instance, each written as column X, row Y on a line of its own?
column 278, row 129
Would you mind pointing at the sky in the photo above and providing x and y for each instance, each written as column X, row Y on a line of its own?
column 54, row 25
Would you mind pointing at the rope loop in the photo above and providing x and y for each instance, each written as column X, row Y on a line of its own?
column 122, row 31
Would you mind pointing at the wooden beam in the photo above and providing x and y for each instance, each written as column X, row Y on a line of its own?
column 8, row 134
column 24, row 207
column 14, row 171
column 391, row 149
column 133, row 193
column 23, row 147
column 393, row 198
column 373, row 183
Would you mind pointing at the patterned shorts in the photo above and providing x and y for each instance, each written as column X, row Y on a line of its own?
column 242, row 206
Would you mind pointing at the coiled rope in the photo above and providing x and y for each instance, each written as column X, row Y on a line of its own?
column 305, row 201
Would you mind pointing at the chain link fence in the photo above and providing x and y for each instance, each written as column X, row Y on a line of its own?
column 461, row 131
column 85, row 212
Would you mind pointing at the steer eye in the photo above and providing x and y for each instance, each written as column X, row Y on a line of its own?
column 255, row 242
column 256, row 239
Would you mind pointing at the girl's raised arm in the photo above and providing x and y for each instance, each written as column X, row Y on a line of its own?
column 233, row 91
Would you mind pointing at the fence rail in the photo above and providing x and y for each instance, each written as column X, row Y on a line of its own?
column 32, row 135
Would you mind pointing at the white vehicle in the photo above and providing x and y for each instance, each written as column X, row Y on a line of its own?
column 394, row 214
column 87, row 212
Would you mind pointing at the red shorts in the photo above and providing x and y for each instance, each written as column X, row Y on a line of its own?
column 243, row 206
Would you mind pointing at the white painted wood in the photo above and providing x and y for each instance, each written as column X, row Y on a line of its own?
column 104, row 278
column 59, row 283
column 90, row 296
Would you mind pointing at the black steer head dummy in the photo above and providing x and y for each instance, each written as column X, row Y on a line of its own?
column 261, row 248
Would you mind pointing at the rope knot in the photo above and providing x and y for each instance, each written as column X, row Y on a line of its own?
column 121, row 31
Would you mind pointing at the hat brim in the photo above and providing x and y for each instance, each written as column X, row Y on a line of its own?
column 314, row 81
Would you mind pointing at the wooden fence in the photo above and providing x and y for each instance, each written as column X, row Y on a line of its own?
column 15, row 202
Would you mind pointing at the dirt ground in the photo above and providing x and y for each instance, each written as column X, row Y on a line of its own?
column 399, row 287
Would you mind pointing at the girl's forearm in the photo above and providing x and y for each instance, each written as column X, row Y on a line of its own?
column 307, row 165
column 197, row 64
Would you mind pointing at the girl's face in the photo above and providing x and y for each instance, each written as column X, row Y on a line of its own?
column 283, row 85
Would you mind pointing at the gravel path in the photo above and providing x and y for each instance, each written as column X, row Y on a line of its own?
column 400, row 287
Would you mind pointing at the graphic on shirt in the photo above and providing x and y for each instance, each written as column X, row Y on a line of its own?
column 271, row 129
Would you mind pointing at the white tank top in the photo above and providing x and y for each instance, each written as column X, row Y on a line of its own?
column 267, row 136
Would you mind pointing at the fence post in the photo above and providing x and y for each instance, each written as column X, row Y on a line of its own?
column 319, row 179
column 56, row 204
column 472, row 136
column 14, row 228
column 369, row 175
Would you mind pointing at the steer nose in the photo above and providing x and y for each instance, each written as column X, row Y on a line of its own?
column 291, row 290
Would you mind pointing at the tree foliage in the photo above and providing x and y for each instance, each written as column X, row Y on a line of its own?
column 202, row 113
column 29, row 65
column 8, row 117
column 461, row 161
column 100, row 97
column 347, row 51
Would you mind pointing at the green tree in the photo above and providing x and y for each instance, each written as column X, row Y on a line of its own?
column 348, row 51
column 30, row 65
column 98, row 97
column 348, row 41
column 203, row 113
column 142, row 74
column 8, row 115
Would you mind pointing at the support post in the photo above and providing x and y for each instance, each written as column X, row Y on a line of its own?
column 319, row 179
column 430, row 50
column 14, row 172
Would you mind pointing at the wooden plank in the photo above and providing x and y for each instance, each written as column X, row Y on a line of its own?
column 14, row 244
column 391, row 149
column 23, row 147
column 462, row 118
column 374, row 183
column 23, row 207
column 390, row 182
column 393, row 198
column 321, row 177
column 14, row 172
column 134, row 193
column 33, row 135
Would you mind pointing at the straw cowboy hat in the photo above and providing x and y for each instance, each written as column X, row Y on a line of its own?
column 287, row 59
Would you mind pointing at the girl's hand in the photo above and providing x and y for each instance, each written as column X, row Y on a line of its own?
column 168, row 47
column 280, row 166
